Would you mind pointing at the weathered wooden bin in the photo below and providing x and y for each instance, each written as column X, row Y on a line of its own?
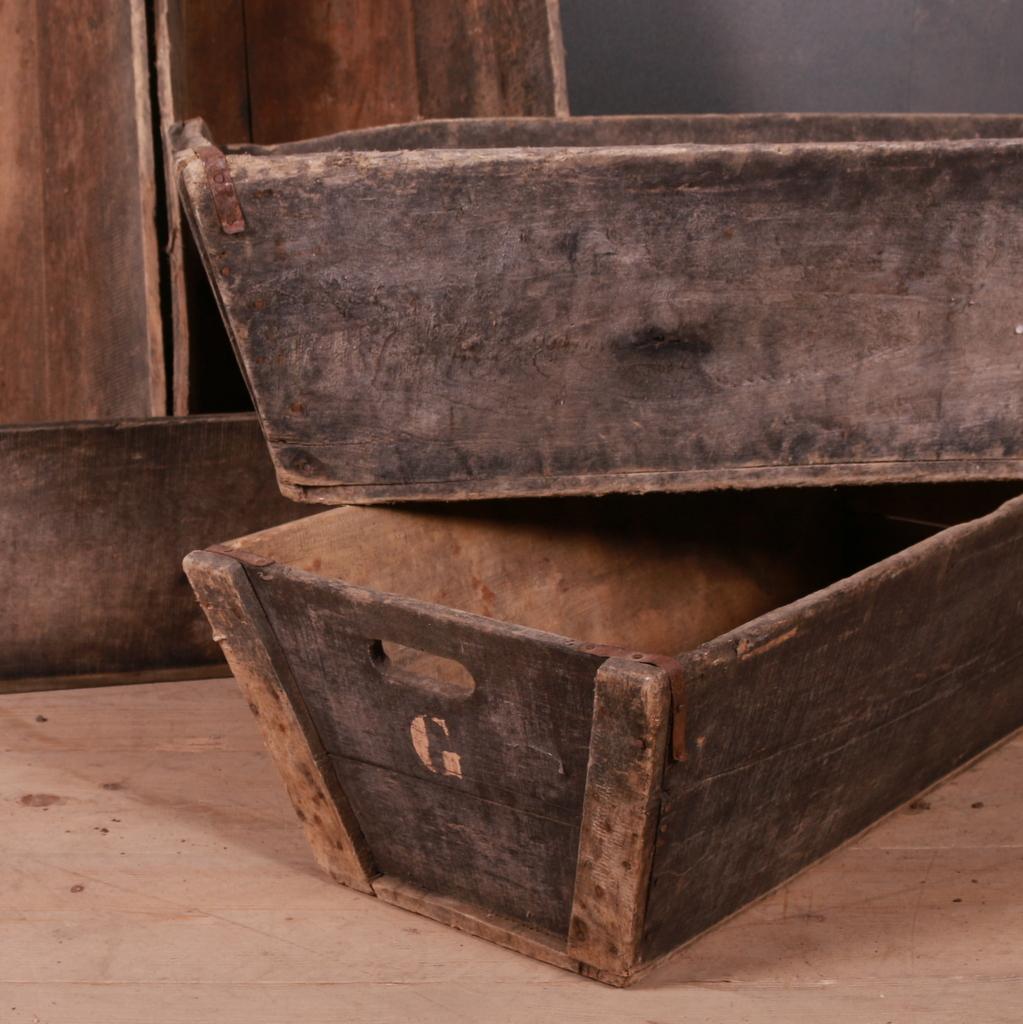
column 476, row 309
column 589, row 729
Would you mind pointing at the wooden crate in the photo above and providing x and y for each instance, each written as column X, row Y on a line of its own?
column 591, row 729
column 483, row 309
column 94, row 521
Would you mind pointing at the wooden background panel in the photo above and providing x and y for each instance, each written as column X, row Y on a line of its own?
column 315, row 68
column 489, row 58
column 94, row 522
column 81, row 336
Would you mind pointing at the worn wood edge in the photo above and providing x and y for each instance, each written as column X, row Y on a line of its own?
column 36, row 684
column 367, row 136
column 475, row 921
column 748, row 477
column 157, row 382
column 239, row 625
column 647, row 968
column 556, row 51
column 175, row 252
column 632, row 710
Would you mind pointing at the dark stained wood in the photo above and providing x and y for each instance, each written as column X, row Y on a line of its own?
column 491, row 780
column 812, row 722
column 523, row 321
column 80, row 330
column 240, row 627
column 94, row 521
column 628, row 748
column 473, row 921
column 531, row 797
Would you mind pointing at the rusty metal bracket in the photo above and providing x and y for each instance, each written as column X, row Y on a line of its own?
column 225, row 198
column 676, row 679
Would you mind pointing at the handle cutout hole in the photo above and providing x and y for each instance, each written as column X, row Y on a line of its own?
column 409, row 666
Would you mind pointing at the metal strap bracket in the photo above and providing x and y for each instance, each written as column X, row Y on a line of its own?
column 225, row 198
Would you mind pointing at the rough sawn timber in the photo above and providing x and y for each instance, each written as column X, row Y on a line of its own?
column 555, row 317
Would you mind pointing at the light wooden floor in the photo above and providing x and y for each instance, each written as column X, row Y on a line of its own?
column 151, row 871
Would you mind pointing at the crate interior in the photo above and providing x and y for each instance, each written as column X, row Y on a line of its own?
column 657, row 573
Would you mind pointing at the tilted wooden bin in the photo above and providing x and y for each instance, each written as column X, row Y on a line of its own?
column 589, row 729
column 477, row 309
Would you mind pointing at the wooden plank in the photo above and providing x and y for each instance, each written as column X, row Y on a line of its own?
column 511, row 352
column 81, row 336
column 94, row 521
column 703, row 129
column 488, row 58
column 812, row 722
column 316, row 68
column 239, row 625
column 204, row 891
column 628, row 749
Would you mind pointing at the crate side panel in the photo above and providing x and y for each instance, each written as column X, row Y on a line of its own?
column 813, row 722
column 520, row 315
column 491, row 781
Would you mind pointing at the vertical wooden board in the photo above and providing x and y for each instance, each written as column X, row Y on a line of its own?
column 240, row 626
column 319, row 67
column 94, row 522
column 628, row 747
column 489, row 58
column 93, row 310
column 23, row 367
column 809, row 724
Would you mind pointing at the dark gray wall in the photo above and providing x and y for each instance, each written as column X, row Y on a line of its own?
column 682, row 56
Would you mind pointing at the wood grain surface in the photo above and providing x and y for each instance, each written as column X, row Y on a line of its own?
column 545, row 320
column 816, row 719
column 80, row 329
column 94, row 521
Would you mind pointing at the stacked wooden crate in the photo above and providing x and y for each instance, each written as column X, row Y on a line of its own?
column 589, row 728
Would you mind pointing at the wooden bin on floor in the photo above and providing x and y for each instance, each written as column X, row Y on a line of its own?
column 539, row 307
column 589, row 729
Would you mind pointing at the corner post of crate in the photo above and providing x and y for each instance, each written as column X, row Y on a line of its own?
column 628, row 748
column 240, row 626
